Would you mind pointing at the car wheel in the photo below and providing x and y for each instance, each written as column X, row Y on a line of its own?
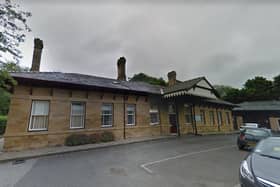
column 240, row 147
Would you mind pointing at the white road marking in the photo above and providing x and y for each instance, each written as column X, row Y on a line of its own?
column 145, row 166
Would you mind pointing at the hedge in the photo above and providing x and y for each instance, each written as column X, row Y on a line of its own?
column 3, row 121
column 82, row 139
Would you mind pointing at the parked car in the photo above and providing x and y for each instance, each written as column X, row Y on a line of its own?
column 250, row 136
column 248, row 125
column 256, row 125
column 261, row 167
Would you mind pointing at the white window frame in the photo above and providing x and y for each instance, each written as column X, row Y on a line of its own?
column 154, row 111
column 220, row 117
column 134, row 114
column 203, row 116
column 228, row 118
column 32, row 115
column 212, row 117
column 189, row 113
column 83, row 115
column 103, row 115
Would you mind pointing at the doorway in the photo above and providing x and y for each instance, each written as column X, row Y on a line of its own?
column 172, row 118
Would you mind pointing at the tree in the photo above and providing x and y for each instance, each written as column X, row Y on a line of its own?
column 12, row 28
column 223, row 90
column 258, row 88
column 6, row 81
column 276, row 87
column 148, row 79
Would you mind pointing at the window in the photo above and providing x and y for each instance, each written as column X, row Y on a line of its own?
column 228, row 118
column 202, row 114
column 107, row 115
column 154, row 116
column 130, row 109
column 77, row 119
column 39, row 116
column 220, row 119
column 212, row 118
column 188, row 114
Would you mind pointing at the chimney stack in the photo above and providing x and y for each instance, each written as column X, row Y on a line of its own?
column 121, row 69
column 38, row 46
column 171, row 78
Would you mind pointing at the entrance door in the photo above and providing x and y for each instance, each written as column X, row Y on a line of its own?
column 279, row 124
column 173, row 123
column 172, row 118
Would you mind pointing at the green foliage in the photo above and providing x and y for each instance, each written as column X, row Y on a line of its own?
column 4, row 101
column 276, row 87
column 77, row 139
column 82, row 139
column 13, row 21
column 256, row 89
column 223, row 90
column 6, row 84
column 107, row 137
column 3, row 122
column 148, row 79
column 94, row 138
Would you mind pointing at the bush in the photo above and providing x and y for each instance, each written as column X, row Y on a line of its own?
column 94, row 138
column 82, row 139
column 77, row 139
column 3, row 122
column 107, row 137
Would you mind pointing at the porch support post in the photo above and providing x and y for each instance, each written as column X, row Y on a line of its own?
column 195, row 127
column 177, row 118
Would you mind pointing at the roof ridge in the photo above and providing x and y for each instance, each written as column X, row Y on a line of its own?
column 197, row 78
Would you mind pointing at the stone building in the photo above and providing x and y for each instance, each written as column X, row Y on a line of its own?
column 265, row 113
column 46, row 107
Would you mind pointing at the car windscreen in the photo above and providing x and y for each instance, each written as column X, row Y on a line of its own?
column 257, row 132
column 269, row 148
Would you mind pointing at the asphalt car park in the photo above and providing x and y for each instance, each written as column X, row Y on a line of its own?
column 195, row 161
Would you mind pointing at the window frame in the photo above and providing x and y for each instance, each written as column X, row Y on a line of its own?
column 134, row 115
column 203, row 116
column 31, row 115
column 188, row 113
column 154, row 111
column 212, row 117
column 228, row 118
column 84, row 114
column 112, row 114
column 220, row 117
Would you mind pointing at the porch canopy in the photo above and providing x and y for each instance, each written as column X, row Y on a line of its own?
column 196, row 91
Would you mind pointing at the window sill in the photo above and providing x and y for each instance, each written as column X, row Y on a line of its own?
column 37, row 130
column 130, row 124
column 106, row 126
column 152, row 124
column 74, row 128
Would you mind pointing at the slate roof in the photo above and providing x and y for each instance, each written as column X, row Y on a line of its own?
column 183, row 85
column 258, row 106
column 95, row 82
column 219, row 101
column 88, row 81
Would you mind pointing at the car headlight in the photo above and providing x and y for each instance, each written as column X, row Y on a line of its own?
column 245, row 171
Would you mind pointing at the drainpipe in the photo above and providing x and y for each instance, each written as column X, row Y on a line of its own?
column 124, row 135
column 177, row 119
column 195, row 128
column 218, row 120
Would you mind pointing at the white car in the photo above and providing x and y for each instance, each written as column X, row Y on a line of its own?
column 249, row 125
column 255, row 125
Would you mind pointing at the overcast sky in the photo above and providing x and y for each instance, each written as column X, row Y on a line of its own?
column 226, row 42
